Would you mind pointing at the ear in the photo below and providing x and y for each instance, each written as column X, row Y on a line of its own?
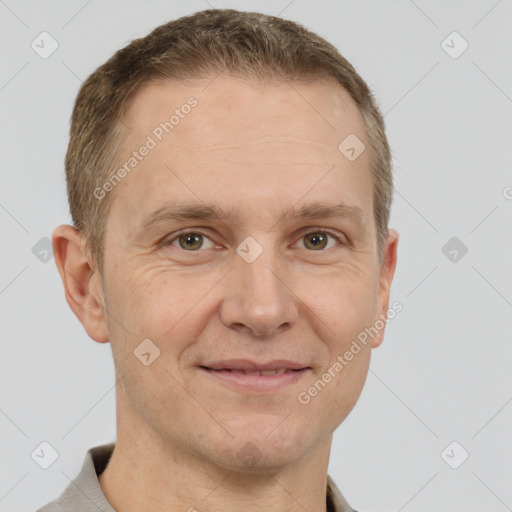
column 82, row 284
column 387, row 271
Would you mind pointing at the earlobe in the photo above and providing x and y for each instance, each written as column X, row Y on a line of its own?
column 387, row 271
column 81, row 283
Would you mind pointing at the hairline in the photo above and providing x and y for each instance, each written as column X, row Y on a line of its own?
column 118, row 133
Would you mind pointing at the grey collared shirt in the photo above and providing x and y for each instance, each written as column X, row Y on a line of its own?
column 84, row 493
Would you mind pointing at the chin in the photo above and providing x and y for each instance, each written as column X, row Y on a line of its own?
column 254, row 458
column 266, row 446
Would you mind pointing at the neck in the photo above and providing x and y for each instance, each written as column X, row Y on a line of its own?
column 149, row 472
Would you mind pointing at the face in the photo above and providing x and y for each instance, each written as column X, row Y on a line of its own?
column 267, row 271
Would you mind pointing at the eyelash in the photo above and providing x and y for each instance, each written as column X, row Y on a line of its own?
column 338, row 238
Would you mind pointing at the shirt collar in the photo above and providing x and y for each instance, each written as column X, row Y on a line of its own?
column 84, row 493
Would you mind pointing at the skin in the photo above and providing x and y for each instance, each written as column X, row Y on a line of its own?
column 260, row 150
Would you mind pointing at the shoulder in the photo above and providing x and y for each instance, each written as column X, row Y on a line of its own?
column 53, row 506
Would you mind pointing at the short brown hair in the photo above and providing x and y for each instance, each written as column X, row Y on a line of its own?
column 244, row 44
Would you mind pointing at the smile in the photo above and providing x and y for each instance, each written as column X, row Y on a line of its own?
column 259, row 381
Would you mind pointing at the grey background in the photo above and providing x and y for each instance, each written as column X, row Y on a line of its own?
column 443, row 373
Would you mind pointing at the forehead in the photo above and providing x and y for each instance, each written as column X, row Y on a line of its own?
column 243, row 143
column 314, row 111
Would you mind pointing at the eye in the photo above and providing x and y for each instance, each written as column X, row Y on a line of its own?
column 318, row 240
column 190, row 241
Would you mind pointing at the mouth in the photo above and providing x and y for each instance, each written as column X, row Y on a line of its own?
column 276, row 371
column 259, row 380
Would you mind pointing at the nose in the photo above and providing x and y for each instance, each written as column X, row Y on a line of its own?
column 259, row 299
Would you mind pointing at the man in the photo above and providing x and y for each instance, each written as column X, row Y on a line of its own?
column 230, row 184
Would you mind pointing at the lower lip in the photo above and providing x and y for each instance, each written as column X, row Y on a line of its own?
column 258, row 383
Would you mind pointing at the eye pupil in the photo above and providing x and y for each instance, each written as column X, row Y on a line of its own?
column 318, row 240
column 192, row 241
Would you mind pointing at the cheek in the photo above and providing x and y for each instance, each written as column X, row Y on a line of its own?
column 154, row 301
column 332, row 394
column 343, row 310
column 168, row 308
column 348, row 384
column 345, row 303
column 152, row 306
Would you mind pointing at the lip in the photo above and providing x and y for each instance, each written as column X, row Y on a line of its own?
column 256, row 383
column 247, row 364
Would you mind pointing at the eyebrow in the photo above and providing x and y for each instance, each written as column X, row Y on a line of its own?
column 204, row 211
